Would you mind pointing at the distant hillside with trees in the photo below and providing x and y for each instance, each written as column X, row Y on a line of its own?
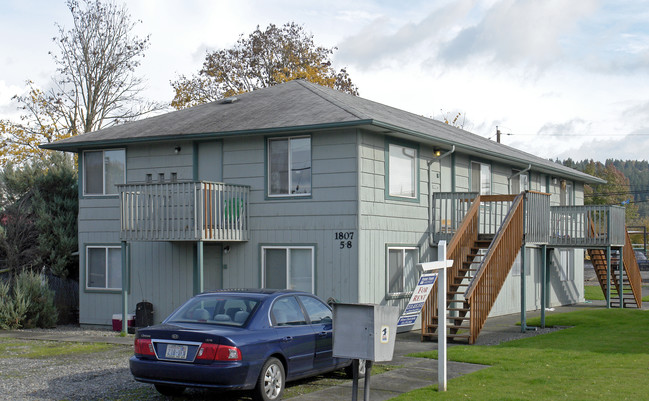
column 627, row 184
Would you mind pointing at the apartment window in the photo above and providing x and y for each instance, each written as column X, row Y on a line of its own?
column 519, row 183
column 103, row 170
column 288, row 267
column 566, row 264
column 481, row 178
column 289, row 166
column 402, row 171
column 402, row 271
column 104, row 267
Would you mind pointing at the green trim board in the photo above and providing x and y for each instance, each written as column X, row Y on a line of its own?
column 412, row 145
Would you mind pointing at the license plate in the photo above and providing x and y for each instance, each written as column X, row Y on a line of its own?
column 176, row 351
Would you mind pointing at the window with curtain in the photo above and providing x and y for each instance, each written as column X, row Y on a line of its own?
column 402, row 171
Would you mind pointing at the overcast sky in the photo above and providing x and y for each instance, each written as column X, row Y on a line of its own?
column 560, row 78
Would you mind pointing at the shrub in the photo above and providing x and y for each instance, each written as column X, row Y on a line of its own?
column 30, row 304
column 13, row 307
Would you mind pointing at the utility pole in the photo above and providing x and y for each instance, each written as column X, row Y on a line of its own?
column 497, row 134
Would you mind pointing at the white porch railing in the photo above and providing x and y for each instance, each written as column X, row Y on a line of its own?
column 184, row 211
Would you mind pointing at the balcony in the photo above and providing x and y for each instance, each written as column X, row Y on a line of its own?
column 556, row 226
column 184, row 211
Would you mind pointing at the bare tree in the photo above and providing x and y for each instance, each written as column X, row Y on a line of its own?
column 96, row 62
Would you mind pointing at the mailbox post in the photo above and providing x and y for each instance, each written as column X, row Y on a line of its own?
column 364, row 331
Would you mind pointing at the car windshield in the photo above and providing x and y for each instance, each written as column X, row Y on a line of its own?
column 222, row 309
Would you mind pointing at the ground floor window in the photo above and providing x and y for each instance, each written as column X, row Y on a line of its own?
column 288, row 267
column 104, row 267
column 402, row 270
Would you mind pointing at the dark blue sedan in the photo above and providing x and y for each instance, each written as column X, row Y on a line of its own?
column 238, row 340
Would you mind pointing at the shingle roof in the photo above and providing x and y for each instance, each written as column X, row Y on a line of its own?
column 301, row 105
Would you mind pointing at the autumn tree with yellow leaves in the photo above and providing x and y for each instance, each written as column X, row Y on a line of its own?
column 264, row 58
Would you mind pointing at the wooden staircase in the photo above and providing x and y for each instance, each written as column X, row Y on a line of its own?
column 481, row 265
column 631, row 279
column 457, row 306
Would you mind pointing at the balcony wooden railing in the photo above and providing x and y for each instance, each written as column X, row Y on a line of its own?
column 558, row 226
column 490, row 277
column 448, row 211
column 632, row 270
column 184, row 211
column 584, row 226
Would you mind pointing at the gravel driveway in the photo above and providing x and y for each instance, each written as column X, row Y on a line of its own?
column 102, row 375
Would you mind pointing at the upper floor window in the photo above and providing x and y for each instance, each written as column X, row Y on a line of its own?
column 103, row 170
column 289, row 166
column 481, row 178
column 402, row 171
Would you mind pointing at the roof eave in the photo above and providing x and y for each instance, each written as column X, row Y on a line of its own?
column 583, row 177
column 80, row 145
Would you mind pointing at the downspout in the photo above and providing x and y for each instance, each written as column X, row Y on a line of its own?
column 430, row 193
column 509, row 179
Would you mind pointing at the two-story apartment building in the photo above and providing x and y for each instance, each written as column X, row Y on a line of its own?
column 295, row 186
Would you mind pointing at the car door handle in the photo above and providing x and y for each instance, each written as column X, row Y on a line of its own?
column 287, row 338
column 323, row 334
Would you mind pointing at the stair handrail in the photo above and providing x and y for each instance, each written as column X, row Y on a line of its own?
column 465, row 236
column 632, row 271
column 482, row 293
column 496, row 241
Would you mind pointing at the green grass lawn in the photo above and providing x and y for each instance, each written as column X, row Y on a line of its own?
column 605, row 355
column 12, row 348
column 595, row 293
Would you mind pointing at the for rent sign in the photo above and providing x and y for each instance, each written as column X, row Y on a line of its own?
column 417, row 300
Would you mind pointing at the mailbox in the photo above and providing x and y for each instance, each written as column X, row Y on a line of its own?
column 364, row 331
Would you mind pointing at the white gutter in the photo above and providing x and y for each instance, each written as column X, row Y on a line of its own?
column 509, row 179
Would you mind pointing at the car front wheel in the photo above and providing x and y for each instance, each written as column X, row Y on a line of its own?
column 270, row 384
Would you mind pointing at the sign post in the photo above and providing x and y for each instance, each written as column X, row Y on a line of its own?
column 440, row 268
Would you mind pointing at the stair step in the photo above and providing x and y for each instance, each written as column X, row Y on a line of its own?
column 449, row 326
column 458, row 309
column 458, row 317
